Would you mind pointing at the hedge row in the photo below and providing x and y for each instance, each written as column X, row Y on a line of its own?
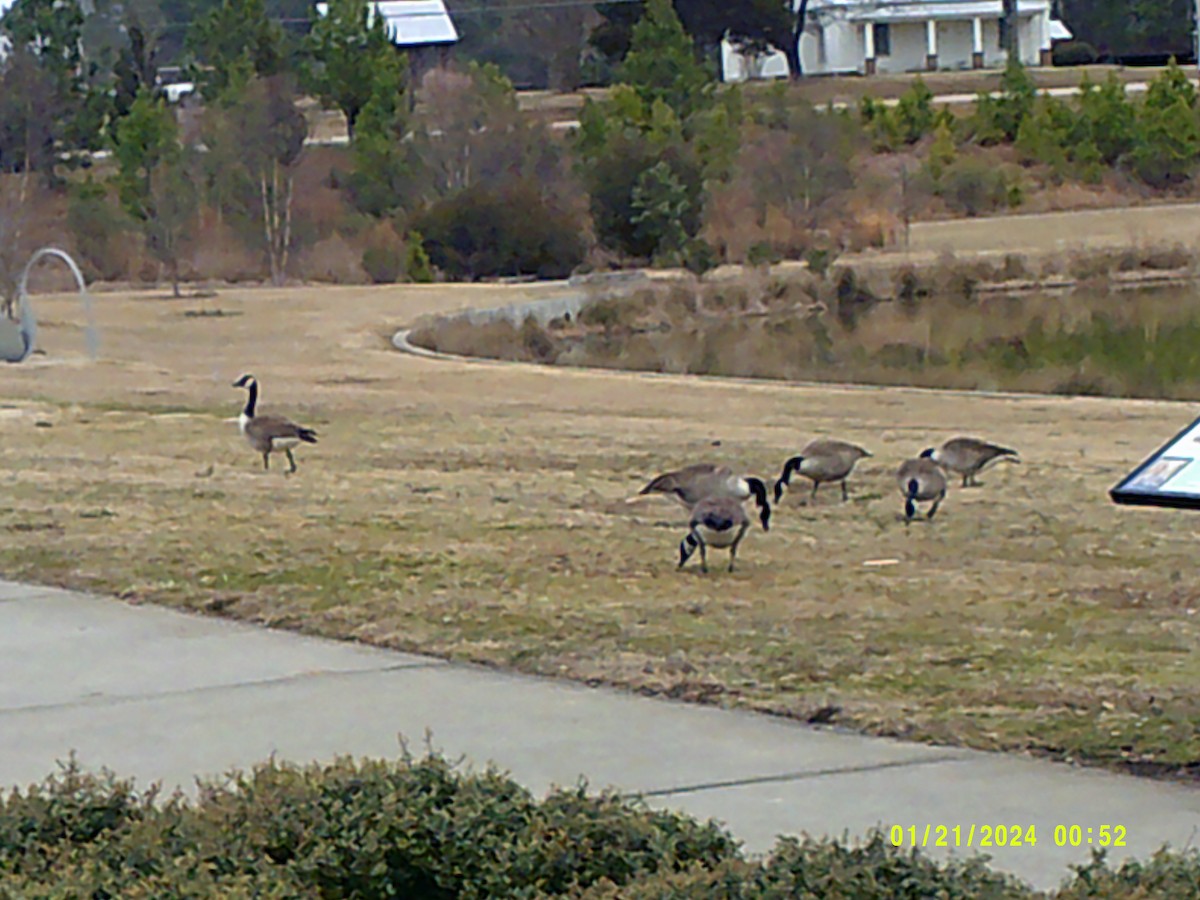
column 420, row 829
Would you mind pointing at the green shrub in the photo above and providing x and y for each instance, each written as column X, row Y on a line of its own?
column 420, row 829
column 998, row 119
column 881, row 124
column 349, row 829
column 382, row 264
column 914, row 112
column 1169, row 146
column 699, row 257
column 942, row 153
column 480, row 232
column 1107, row 121
column 417, row 266
column 1174, row 875
column 1074, row 53
column 973, row 186
column 819, row 259
column 763, row 253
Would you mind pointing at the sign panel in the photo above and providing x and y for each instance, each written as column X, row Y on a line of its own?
column 1171, row 477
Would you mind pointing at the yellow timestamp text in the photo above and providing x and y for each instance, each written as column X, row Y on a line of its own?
column 987, row 836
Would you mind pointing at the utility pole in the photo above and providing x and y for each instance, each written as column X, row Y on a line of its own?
column 1012, row 41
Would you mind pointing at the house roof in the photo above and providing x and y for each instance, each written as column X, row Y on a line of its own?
column 902, row 10
column 410, row 23
column 1059, row 31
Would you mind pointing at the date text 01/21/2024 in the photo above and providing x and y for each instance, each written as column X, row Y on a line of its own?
column 988, row 836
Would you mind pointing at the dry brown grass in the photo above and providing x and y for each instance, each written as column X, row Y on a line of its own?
column 476, row 511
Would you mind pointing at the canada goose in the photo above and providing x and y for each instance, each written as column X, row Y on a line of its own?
column 694, row 483
column 920, row 481
column 822, row 460
column 268, row 433
column 715, row 522
column 968, row 457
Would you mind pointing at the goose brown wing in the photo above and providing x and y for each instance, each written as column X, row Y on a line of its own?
column 273, row 427
column 686, row 479
column 973, row 448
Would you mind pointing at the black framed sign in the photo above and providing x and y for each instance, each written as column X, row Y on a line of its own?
column 1171, row 477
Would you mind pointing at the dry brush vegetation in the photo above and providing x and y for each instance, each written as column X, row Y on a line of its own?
column 1114, row 323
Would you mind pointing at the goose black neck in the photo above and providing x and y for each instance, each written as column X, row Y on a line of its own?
column 252, row 387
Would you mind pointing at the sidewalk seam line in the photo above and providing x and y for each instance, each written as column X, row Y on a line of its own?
column 115, row 699
column 795, row 776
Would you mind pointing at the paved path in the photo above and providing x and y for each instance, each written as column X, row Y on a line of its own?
column 159, row 695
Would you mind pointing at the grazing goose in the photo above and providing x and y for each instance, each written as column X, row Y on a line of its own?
column 968, row 457
column 694, row 483
column 268, row 433
column 715, row 522
column 822, row 460
column 920, row 481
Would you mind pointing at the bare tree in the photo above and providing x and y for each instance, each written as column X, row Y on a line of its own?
column 14, row 218
column 470, row 131
column 264, row 132
column 26, row 145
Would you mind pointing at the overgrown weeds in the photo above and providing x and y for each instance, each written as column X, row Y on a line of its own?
column 964, row 324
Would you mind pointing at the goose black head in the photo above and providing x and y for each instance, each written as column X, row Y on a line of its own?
column 244, row 381
column 759, row 490
column 686, row 548
column 785, row 478
column 927, row 453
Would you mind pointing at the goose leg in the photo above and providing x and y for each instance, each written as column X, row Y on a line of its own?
column 291, row 459
column 733, row 547
column 816, row 484
column 933, row 509
column 266, row 460
column 845, row 494
column 703, row 556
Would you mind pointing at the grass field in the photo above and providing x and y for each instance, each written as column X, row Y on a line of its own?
column 477, row 511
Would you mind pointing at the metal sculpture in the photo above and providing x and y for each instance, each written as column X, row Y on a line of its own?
column 18, row 336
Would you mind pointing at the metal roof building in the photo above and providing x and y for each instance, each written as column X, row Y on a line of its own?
column 410, row 23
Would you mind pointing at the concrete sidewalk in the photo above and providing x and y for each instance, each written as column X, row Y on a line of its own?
column 158, row 695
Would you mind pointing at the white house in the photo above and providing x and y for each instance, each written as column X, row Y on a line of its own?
column 410, row 23
column 869, row 36
column 4, row 43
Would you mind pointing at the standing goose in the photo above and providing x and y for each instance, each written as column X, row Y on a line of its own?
column 268, row 433
column 968, row 457
column 694, row 483
column 920, row 481
column 822, row 460
column 715, row 522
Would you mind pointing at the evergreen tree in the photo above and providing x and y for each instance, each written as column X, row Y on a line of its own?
column 47, row 39
column 349, row 55
column 231, row 44
column 661, row 64
column 153, row 181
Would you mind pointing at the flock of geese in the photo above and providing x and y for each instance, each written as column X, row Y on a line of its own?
column 715, row 495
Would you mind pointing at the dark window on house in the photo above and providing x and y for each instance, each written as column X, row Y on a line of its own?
column 883, row 39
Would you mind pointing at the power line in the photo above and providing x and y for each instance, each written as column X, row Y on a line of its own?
column 458, row 11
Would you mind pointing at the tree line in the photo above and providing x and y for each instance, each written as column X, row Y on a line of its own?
column 448, row 175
